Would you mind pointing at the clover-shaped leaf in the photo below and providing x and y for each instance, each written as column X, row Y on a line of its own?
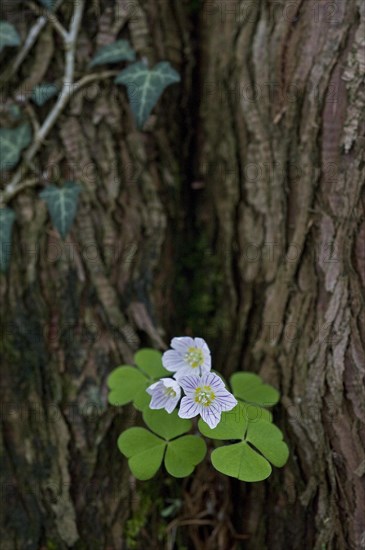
column 62, row 205
column 129, row 383
column 183, row 454
column 249, row 387
column 260, row 442
column 113, row 53
column 8, row 35
column 12, row 142
column 241, row 461
column 146, row 450
column 145, row 86
column 165, row 424
column 7, row 216
column 43, row 92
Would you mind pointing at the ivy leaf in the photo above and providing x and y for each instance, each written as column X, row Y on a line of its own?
column 49, row 4
column 144, row 86
column 62, row 205
column 128, row 383
column 8, row 35
column 7, row 217
column 260, row 442
column 42, row 93
column 113, row 53
column 12, row 142
column 146, row 450
column 249, row 387
column 14, row 112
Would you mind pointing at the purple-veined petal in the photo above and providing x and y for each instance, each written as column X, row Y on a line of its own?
column 211, row 415
column 182, row 343
column 171, row 405
column 213, row 380
column 186, row 371
column 226, row 402
column 207, row 364
column 152, row 387
column 190, row 383
column 159, row 401
column 172, row 360
column 161, row 398
column 200, row 343
column 188, row 408
column 171, row 383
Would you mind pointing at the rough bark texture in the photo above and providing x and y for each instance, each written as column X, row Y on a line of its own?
column 236, row 215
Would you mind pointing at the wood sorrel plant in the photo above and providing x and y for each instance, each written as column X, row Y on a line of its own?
column 170, row 389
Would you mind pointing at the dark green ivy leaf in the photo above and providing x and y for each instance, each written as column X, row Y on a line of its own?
column 49, row 4
column 113, row 53
column 7, row 216
column 8, row 35
column 42, row 93
column 62, row 205
column 12, row 142
column 145, row 86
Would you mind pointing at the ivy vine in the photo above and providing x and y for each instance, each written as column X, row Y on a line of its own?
column 20, row 144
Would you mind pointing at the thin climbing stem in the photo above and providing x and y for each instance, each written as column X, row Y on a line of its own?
column 70, row 41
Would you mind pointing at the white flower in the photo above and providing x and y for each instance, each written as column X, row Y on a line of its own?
column 207, row 396
column 188, row 356
column 165, row 394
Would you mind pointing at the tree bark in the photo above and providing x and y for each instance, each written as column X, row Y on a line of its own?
column 237, row 215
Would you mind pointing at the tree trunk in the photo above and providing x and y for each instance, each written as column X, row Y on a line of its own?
column 237, row 215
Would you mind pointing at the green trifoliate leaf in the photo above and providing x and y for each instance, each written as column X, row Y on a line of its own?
column 268, row 439
column 127, row 383
column 146, row 450
column 7, row 216
column 167, row 425
column 62, row 205
column 233, row 425
column 145, row 86
column 241, row 460
column 183, row 454
column 113, row 53
column 42, row 93
column 150, row 362
column 249, row 387
column 12, row 142
column 142, row 398
column 8, row 35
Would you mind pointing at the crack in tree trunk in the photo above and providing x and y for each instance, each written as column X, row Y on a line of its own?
column 239, row 215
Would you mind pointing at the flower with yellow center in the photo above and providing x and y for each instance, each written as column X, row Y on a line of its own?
column 187, row 356
column 165, row 394
column 205, row 395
